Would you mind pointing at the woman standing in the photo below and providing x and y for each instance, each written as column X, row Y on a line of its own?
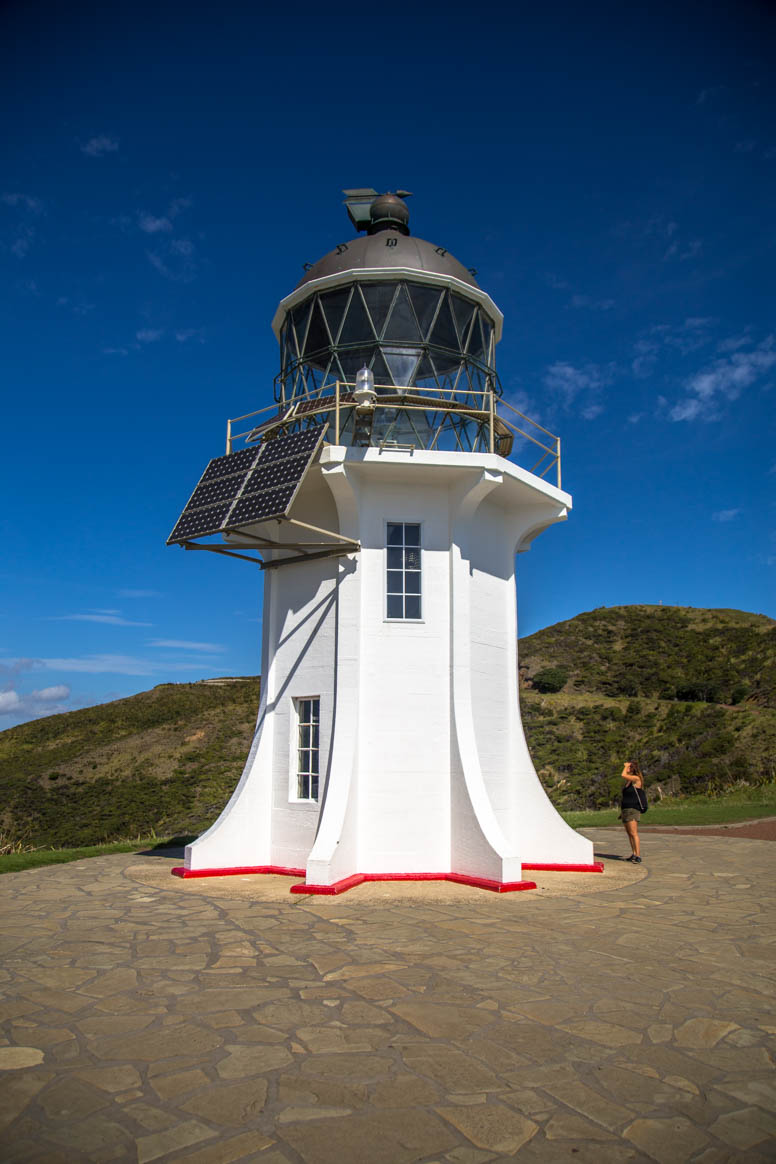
column 634, row 798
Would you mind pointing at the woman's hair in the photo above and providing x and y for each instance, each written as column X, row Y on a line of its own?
column 635, row 770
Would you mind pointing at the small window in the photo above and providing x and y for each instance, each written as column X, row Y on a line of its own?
column 403, row 570
column 308, row 712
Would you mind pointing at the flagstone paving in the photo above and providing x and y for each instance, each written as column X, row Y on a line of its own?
column 618, row 1017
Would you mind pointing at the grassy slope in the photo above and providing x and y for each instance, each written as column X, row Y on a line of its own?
column 625, row 668
column 163, row 761
column 167, row 760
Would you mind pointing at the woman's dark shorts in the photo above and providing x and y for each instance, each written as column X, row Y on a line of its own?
column 629, row 814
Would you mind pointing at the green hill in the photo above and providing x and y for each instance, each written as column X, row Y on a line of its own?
column 165, row 761
column 689, row 693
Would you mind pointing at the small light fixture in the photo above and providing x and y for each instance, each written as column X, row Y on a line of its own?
column 364, row 394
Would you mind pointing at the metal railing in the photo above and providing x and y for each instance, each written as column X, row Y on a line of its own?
column 498, row 432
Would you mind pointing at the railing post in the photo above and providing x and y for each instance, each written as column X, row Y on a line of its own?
column 557, row 446
column 228, row 437
column 492, row 442
column 336, row 415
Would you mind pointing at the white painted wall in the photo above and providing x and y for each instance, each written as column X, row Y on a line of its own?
column 428, row 769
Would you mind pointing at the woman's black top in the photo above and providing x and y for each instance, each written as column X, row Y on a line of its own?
column 630, row 796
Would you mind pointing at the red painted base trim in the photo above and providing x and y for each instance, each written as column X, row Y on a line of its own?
column 596, row 868
column 460, row 878
column 237, row 870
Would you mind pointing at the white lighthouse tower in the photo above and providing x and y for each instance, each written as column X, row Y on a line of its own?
column 385, row 495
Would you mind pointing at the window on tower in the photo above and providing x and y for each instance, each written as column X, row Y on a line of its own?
column 308, row 714
column 403, row 589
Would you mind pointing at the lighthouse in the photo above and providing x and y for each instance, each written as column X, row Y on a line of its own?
column 385, row 493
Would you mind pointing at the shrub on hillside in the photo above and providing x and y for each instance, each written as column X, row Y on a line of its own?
column 550, row 679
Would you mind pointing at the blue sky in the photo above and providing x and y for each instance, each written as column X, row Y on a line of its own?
column 165, row 171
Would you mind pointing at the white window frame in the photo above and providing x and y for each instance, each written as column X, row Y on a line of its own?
column 306, row 757
column 403, row 593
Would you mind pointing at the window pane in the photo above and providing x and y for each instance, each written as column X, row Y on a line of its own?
column 424, row 300
column 304, row 784
column 379, row 297
column 402, row 325
column 395, row 533
column 314, row 788
column 334, row 303
column 395, row 559
column 316, row 731
column 395, row 580
column 411, row 559
column 412, row 582
column 317, row 335
column 412, row 607
column 314, row 762
column 304, row 711
column 315, row 710
column 303, row 762
column 412, row 535
column 395, row 606
column 304, row 736
column 357, row 327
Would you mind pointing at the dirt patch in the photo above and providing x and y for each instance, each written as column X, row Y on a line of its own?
column 751, row 830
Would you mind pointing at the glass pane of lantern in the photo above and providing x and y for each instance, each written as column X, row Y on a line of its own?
column 444, row 334
column 300, row 316
column 356, row 327
column 317, row 335
column 401, row 365
column 463, row 312
column 378, row 297
column 424, row 300
column 334, row 304
column 402, row 325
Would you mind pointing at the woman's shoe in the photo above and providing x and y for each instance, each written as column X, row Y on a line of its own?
column 635, row 860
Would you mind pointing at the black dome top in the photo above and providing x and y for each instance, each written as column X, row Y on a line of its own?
column 388, row 249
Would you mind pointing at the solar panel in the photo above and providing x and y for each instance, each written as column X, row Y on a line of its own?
column 251, row 485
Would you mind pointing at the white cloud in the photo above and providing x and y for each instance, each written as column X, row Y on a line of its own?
column 33, row 704
column 187, row 645
column 24, row 201
column 579, row 388
column 151, row 225
column 128, row 593
column 592, row 304
column 23, row 241
column 107, row 664
column 184, row 334
column 746, row 146
column 149, row 335
column 726, row 514
column 107, row 618
column 51, row 694
column 101, row 144
column 723, row 380
column 115, row 351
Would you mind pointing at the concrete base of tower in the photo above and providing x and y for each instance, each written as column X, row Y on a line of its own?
column 419, row 761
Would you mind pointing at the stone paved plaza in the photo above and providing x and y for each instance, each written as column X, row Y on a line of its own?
column 622, row 1016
